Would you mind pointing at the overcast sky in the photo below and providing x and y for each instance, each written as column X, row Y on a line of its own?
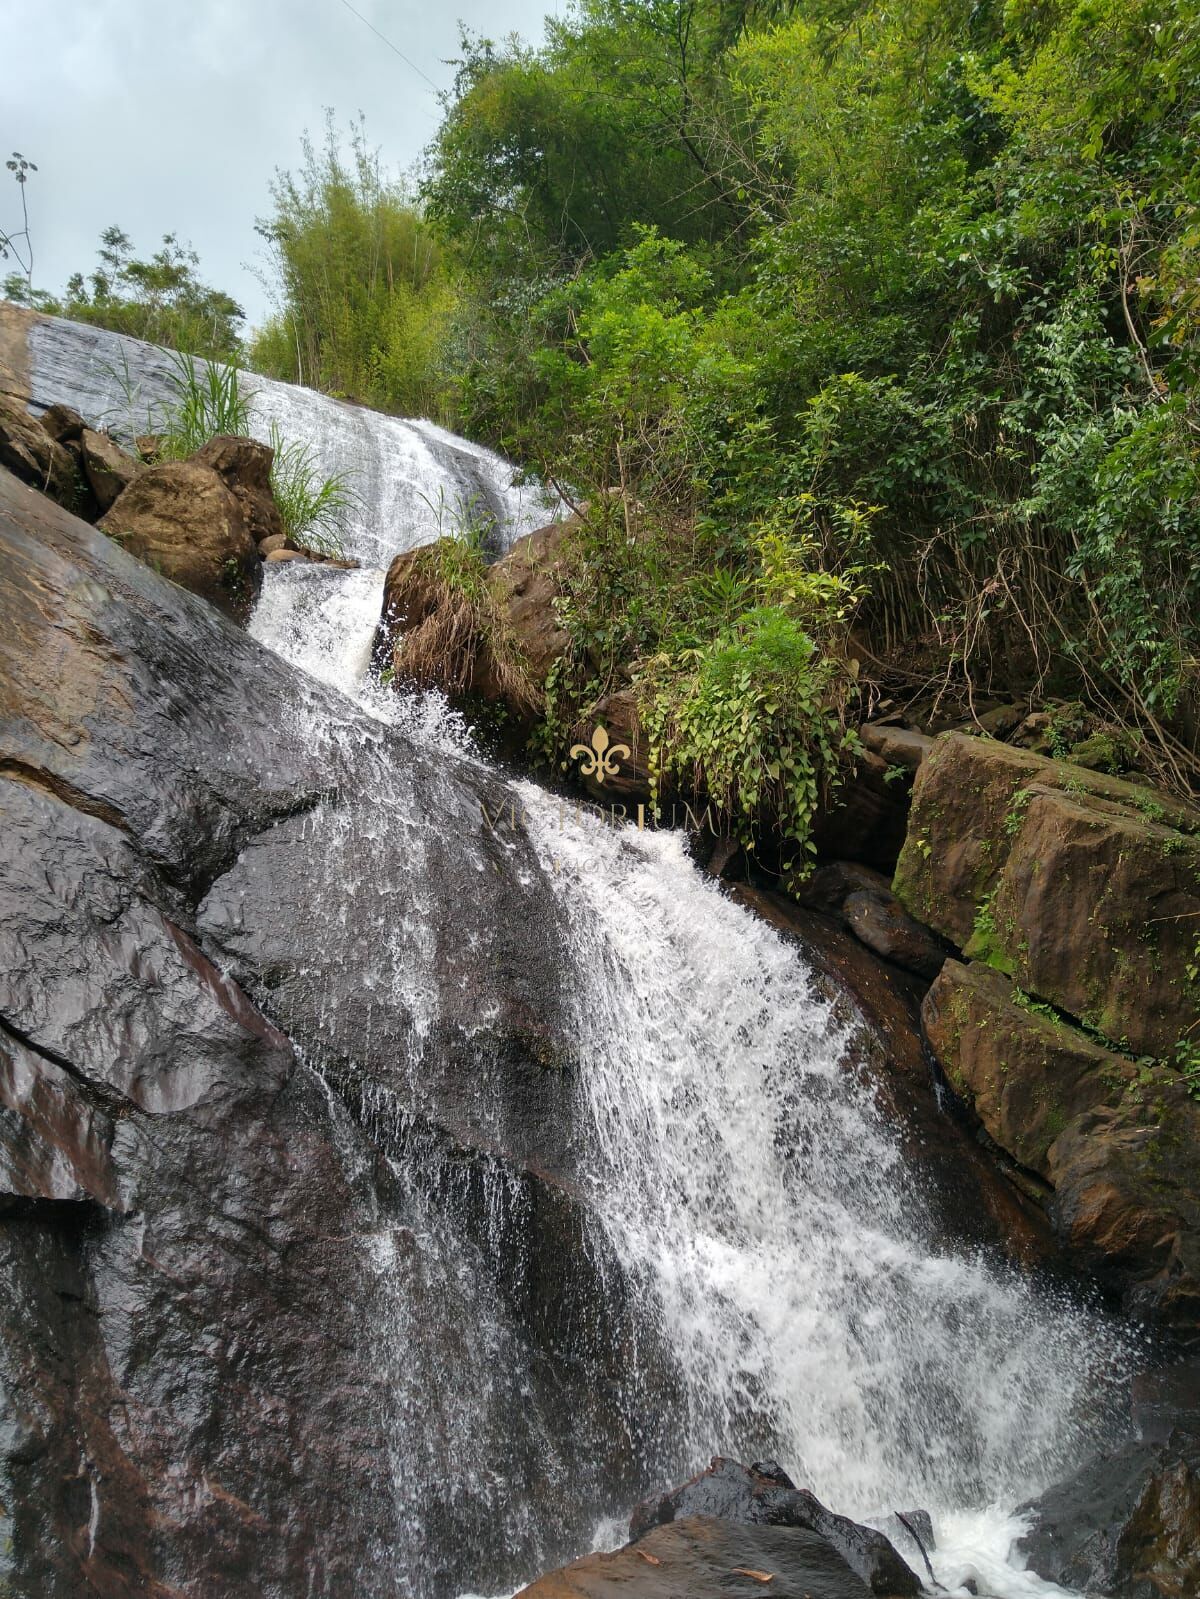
column 172, row 115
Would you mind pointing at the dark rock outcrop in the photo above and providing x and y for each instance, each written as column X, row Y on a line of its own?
column 222, row 1274
column 1126, row 1526
column 734, row 1492
column 1117, row 1140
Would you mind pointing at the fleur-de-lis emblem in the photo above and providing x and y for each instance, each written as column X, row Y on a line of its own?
column 602, row 759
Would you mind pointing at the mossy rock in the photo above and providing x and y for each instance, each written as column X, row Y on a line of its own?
column 1081, row 886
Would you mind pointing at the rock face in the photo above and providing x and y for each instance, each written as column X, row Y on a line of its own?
column 1127, row 1526
column 184, row 520
column 1118, row 1141
column 1085, row 889
column 224, row 1276
column 766, row 1497
column 1078, row 895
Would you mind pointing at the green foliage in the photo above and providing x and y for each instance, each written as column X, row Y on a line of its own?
column 364, row 300
column 750, row 719
column 315, row 510
column 208, row 400
column 161, row 299
column 924, row 276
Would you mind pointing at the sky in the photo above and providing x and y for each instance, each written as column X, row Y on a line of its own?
column 172, row 115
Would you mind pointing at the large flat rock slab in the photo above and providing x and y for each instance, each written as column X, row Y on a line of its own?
column 703, row 1556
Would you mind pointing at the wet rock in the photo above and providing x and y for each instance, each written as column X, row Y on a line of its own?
column 108, row 469
column 208, row 1253
column 1127, row 1526
column 54, row 1144
column 878, row 920
column 699, row 1557
column 1165, row 1400
column 526, row 583
column 1082, row 887
column 30, row 453
column 184, row 520
column 734, row 1493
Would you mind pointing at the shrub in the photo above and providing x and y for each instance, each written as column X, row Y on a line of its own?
column 755, row 720
column 315, row 510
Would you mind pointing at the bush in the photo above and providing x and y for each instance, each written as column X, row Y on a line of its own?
column 754, row 719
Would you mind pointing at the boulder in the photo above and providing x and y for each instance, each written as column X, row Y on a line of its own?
column 1127, row 1198
column 184, row 520
column 702, row 1557
column 30, row 453
column 878, row 920
column 108, row 469
column 1025, row 1073
column 62, row 423
column 1083, row 887
column 1126, row 1526
column 898, row 746
column 523, row 585
column 734, row 1492
column 1117, row 1140
column 830, row 885
column 526, row 582
column 244, row 465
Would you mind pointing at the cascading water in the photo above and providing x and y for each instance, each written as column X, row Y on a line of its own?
column 775, row 1240
column 411, row 480
column 785, row 1288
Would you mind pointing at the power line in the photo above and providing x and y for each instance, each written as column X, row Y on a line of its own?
column 395, row 48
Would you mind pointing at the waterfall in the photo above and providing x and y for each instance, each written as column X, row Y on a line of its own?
column 793, row 1299
column 411, row 480
column 784, row 1288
